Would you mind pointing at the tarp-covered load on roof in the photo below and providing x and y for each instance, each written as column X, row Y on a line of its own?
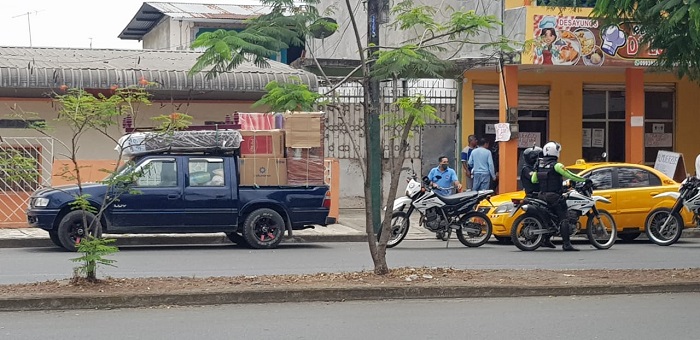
column 141, row 143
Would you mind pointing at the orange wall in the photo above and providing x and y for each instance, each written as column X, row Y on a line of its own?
column 566, row 104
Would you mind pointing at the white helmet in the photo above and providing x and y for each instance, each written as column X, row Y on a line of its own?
column 551, row 149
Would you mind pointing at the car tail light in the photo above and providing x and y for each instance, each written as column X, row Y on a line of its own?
column 327, row 200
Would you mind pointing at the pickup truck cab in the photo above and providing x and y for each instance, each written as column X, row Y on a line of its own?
column 183, row 193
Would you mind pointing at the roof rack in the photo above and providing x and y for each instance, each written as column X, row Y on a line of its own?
column 230, row 123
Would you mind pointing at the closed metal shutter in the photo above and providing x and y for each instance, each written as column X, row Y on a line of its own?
column 529, row 97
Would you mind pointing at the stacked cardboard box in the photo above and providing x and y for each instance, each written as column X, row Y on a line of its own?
column 304, row 148
column 262, row 159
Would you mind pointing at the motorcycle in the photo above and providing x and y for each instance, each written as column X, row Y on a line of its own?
column 530, row 229
column 665, row 226
column 440, row 214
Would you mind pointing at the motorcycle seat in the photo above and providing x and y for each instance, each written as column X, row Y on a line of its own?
column 459, row 197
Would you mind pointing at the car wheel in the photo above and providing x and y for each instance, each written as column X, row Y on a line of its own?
column 53, row 235
column 264, row 229
column 72, row 229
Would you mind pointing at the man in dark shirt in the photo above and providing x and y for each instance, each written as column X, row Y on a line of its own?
column 530, row 157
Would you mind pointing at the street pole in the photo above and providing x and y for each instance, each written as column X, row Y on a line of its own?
column 372, row 140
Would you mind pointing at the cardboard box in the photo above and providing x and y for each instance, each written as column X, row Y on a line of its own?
column 262, row 144
column 303, row 130
column 263, row 171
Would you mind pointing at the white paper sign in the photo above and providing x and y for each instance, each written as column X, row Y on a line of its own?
column 586, row 138
column 598, row 138
column 528, row 139
column 667, row 162
column 637, row 121
column 658, row 140
column 502, row 132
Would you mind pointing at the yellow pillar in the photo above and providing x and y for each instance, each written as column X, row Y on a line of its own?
column 634, row 115
column 508, row 151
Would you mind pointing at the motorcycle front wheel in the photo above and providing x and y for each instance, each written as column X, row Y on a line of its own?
column 601, row 230
column 527, row 232
column 476, row 229
column 398, row 229
column 660, row 234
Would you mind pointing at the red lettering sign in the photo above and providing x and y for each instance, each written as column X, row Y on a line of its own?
column 632, row 46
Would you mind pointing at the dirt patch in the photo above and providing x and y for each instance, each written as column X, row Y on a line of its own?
column 398, row 277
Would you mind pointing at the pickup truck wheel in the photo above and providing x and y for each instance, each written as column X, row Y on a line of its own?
column 71, row 229
column 264, row 229
column 53, row 235
column 237, row 239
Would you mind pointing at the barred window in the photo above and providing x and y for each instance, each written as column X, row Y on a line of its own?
column 19, row 169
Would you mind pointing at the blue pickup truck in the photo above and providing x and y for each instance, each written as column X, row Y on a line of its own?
column 183, row 193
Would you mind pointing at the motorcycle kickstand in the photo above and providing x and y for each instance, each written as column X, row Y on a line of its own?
column 449, row 236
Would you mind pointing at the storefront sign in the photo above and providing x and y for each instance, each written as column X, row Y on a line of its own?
column 528, row 139
column 658, row 140
column 671, row 164
column 502, row 132
column 569, row 40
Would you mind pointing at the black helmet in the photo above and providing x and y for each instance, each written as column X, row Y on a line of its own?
column 530, row 155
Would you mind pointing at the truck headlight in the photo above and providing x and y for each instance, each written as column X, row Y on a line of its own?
column 504, row 208
column 41, row 202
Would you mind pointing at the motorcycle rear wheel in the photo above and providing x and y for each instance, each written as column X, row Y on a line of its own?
column 601, row 231
column 398, row 229
column 525, row 232
column 656, row 220
column 476, row 229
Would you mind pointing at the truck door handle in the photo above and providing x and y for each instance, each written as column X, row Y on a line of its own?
column 653, row 193
column 220, row 196
column 173, row 196
column 607, row 196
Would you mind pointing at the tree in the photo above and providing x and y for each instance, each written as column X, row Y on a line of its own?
column 288, row 24
column 672, row 26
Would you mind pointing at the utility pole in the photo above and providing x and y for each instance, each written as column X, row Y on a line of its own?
column 29, row 23
column 372, row 141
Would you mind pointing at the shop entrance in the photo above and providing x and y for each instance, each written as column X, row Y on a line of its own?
column 604, row 122
column 533, row 111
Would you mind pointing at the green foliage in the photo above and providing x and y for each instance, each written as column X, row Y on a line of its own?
column 567, row 3
column 94, row 251
column 411, row 107
column 286, row 25
column 292, row 96
column 16, row 167
column 672, row 26
column 409, row 61
column 172, row 122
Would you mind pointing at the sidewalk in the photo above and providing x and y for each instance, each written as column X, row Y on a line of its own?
column 350, row 228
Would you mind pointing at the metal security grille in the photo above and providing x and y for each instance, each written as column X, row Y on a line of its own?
column 18, row 182
column 344, row 138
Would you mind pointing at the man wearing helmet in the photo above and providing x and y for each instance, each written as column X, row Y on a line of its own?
column 549, row 175
column 530, row 158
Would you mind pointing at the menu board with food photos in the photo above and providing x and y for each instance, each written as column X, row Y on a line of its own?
column 569, row 40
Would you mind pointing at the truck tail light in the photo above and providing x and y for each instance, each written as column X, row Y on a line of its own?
column 327, row 200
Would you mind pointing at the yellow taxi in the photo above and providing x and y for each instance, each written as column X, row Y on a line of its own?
column 630, row 188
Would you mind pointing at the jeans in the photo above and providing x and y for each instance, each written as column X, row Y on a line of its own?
column 481, row 181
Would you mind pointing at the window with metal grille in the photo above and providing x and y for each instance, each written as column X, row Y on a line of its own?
column 19, row 168
column 19, row 123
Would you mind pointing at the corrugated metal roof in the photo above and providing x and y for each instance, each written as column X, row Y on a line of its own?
column 26, row 67
column 151, row 13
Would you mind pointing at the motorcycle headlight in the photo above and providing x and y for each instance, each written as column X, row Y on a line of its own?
column 41, row 202
column 504, row 208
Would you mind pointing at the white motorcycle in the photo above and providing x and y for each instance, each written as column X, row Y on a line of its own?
column 665, row 226
column 440, row 214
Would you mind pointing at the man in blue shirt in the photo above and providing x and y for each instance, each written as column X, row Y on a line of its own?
column 481, row 161
column 447, row 180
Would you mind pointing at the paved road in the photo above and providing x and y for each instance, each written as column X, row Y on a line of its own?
column 664, row 316
column 39, row 264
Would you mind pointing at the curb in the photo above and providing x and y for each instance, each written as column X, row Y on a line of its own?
column 328, row 294
column 142, row 240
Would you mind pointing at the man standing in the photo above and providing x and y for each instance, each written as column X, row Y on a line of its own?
column 464, row 155
column 448, row 177
column 481, row 162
